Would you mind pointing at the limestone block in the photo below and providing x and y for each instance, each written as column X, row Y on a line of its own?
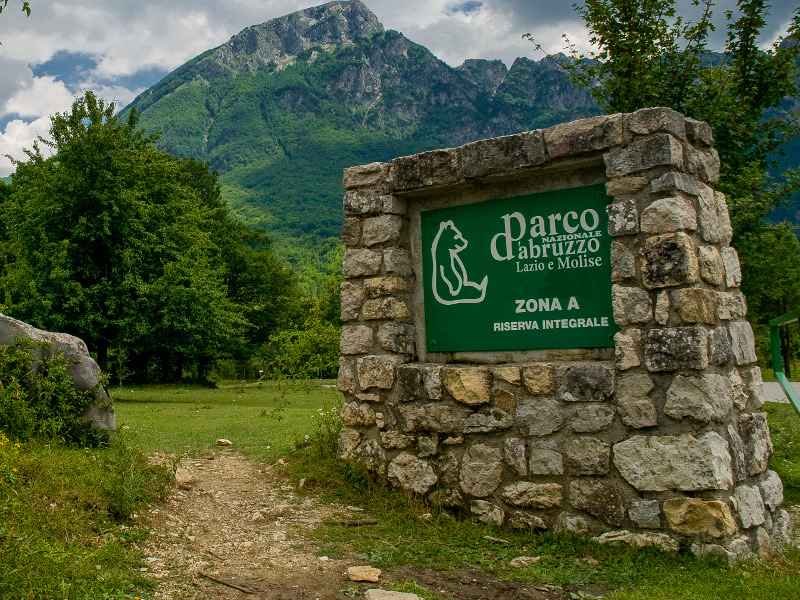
column 347, row 375
column 356, row 339
column 352, row 295
column 627, row 349
column 657, row 119
column 432, row 381
column 361, row 262
column 520, row 519
column 349, row 439
column 742, row 342
column 384, row 286
column 781, row 530
column 503, row 154
column 709, row 261
column 668, row 215
column 539, row 416
column 625, row 186
column 386, row 308
column 533, row 495
column 704, row 164
column 585, row 135
column 397, row 261
column 673, row 181
column 661, row 313
column 575, row 524
column 737, row 454
column 635, row 408
column 706, row 398
column 544, row 458
column 410, row 473
column 351, row 231
column 684, row 462
column 654, row 151
column 381, row 229
column 469, row 385
column 487, row 421
column 438, row 167
column 733, row 271
column 634, row 385
column 588, row 456
column 427, row 445
column 487, row 512
column 676, row 348
column 713, row 217
column 354, row 414
column 668, row 260
column 514, row 453
column 750, row 506
column 504, row 400
column 592, row 418
column 438, row 417
column 771, row 490
column 631, row 305
column 587, row 382
column 409, row 382
column 731, row 305
column 645, row 513
column 481, row 470
column 365, row 175
column 756, row 441
column 639, row 540
column 763, row 543
column 695, row 305
column 623, row 219
column 599, row 498
column 754, row 387
column 720, row 352
column 714, row 551
column 699, row 133
column 509, row 375
column 396, row 337
column 538, row 379
column 362, row 203
column 371, row 455
column 695, row 517
column 623, row 262
column 395, row 440
column 377, row 371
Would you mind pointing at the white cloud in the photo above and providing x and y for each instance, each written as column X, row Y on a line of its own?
column 20, row 135
column 39, row 96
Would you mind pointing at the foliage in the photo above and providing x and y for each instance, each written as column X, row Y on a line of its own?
column 37, row 397
column 308, row 351
column 26, row 6
column 133, row 250
column 784, row 428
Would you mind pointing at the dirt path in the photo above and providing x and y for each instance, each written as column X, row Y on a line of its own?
column 241, row 523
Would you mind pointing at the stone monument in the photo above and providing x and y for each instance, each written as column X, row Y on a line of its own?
column 546, row 329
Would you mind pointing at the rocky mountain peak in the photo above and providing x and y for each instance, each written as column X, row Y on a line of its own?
column 279, row 41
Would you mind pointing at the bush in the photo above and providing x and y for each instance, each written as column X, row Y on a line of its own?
column 37, row 397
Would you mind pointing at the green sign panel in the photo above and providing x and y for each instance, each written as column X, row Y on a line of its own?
column 519, row 273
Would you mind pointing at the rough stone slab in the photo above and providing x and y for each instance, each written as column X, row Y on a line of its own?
column 409, row 382
column 538, row 379
column 504, row 400
column 351, row 231
column 587, row 382
column 695, row 517
column 771, row 490
column 623, row 218
column 754, row 386
column 703, row 399
column 349, row 439
column 397, row 261
column 684, row 462
column 668, row 215
column 481, row 470
column 709, row 261
column 733, row 271
column 539, row 416
column 377, row 371
column 668, row 260
column 360, row 203
column 703, row 163
column 637, row 412
column 731, row 305
column 632, row 305
column 487, row 421
column 672, row 181
column 627, row 349
column 585, row 135
column 469, row 385
column 623, row 262
column 533, row 495
column 361, row 262
column 487, row 512
column 438, row 167
column 352, row 295
column 410, row 473
column 600, row 498
column 514, row 453
column 372, row 456
column 661, row 312
column 347, row 375
column 365, row 175
column 742, row 342
column 655, row 151
column 427, row 445
column 385, row 308
column 588, row 456
column 625, row 186
column 757, row 444
column 395, row 440
column 699, row 133
column 544, row 458
column 695, row 305
column 639, row 540
column 396, row 337
column 749, row 505
column 386, row 595
column 503, row 154
column 395, row 206
column 676, row 348
column 433, row 381
column 356, row 339
column 720, row 352
column 656, row 120
column 520, row 519
column 592, row 418
column 381, row 229
column 436, row 417
column 645, row 513
column 377, row 287
column 354, row 414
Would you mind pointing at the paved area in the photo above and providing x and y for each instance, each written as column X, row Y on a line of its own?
column 774, row 393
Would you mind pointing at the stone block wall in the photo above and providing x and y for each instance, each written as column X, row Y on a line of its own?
column 660, row 441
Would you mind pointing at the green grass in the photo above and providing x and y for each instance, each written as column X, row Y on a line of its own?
column 263, row 422
column 784, row 426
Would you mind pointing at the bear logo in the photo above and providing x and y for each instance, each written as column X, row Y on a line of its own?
column 451, row 284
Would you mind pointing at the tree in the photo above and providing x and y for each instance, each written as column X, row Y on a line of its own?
column 647, row 55
column 129, row 248
column 26, row 8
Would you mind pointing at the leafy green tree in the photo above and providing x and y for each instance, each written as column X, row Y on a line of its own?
column 118, row 242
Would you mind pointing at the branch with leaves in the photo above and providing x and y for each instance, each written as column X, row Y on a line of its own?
column 26, row 7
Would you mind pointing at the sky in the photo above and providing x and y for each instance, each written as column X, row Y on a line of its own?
column 119, row 48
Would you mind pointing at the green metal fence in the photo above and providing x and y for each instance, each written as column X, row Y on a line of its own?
column 777, row 359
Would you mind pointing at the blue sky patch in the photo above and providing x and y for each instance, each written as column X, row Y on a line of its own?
column 470, row 6
column 69, row 67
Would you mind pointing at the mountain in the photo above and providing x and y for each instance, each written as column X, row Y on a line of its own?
column 282, row 107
